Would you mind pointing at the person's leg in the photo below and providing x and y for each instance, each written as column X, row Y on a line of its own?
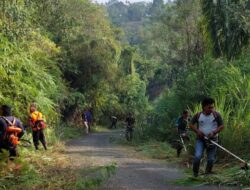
column 199, row 149
column 211, row 155
column 35, row 135
column 130, row 134
column 127, row 133
column 178, row 148
column 89, row 124
column 1, row 147
column 86, row 127
column 13, row 152
column 42, row 139
column 186, row 139
column 112, row 125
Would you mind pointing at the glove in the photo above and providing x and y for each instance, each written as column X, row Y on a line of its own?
column 200, row 134
column 211, row 135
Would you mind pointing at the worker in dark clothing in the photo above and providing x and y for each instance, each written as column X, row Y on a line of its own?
column 87, row 119
column 113, row 122
column 130, row 121
column 11, row 130
column 181, row 127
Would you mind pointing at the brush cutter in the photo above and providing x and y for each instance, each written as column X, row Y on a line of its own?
column 245, row 166
column 183, row 144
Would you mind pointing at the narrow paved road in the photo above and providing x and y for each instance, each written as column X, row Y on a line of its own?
column 133, row 173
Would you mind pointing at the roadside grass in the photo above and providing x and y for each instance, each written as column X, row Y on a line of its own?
column 156, row 150
column 67, row 132
column 98, row 129
column 50, row 169
column 230, row 177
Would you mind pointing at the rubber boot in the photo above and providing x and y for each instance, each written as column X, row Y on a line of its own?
column 209, row 167
column 178, row 152
column 196, row 167
column 44, row 146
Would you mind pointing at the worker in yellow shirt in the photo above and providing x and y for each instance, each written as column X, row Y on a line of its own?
column 37, row 125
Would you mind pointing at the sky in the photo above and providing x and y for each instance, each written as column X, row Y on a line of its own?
column 131, row 1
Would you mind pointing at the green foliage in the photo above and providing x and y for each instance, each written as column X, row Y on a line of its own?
column 216, row 78
column 25, row 77
column 66, row 56
column 70, row 39
column 171, row 43
column 65, row 132
column 132, row 95
column 227, row 23
column 14, row 19
column 130, row 17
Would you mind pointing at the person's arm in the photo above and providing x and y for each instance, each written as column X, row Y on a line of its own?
column 3, row 127
column 194, row 128
column 197, row 131
column 2, row 132
column 215, row 132
column 177, row 124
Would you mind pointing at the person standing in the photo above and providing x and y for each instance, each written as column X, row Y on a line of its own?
column 207, row 124
column 130, row 121
column 181, row 127
column 38, row 125
column 87, row 119
column 113, row 122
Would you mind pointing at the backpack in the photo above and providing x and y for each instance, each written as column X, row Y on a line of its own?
column 12, row 131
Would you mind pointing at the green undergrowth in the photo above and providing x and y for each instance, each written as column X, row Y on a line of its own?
column 68, row 132
column 51, row 169
column 98, row 128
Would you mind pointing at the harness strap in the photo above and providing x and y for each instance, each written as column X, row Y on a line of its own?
column 215, row 114
column 9, row 122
